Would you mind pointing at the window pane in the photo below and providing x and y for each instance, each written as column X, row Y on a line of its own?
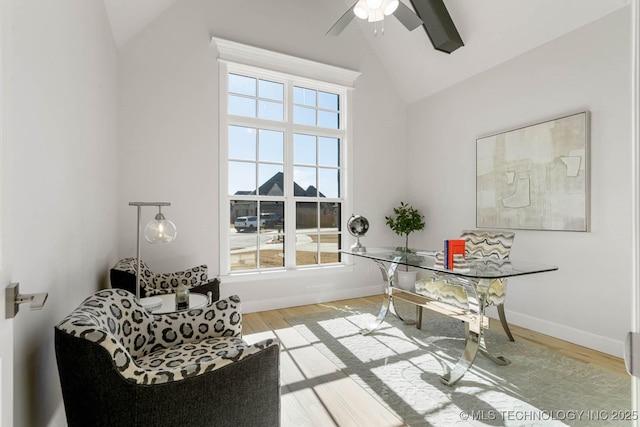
column 242, row 178
column 241, row 106
column 306, row 217
column 306, row 253
column 327, row 119
column 304, row 149
column 272, row 252
column 242, row 238
column 271, row 145
column 245, row 257
column 242, row 213
column 271, row 235
column 242, row 143
column 272, row 217
column 328, row 101
column 330, row 216
column 248, row 233
column 304, row 96
column 329, row 153
column 242, row 85
column 271, row 180
column 329, row 183
column 329, row 247
column 271, row 110
column 271, row 90
column 304, row 116
column 304, row 182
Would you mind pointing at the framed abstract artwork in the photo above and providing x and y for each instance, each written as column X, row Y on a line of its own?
column 535, row 177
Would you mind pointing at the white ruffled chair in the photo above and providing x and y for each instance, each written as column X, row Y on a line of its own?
column 478, row 244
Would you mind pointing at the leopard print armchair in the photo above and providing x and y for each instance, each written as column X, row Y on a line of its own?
column 120, row 365
column 123, row 276
column 478, row 244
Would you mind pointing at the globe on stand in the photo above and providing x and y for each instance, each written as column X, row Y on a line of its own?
column 358, row 226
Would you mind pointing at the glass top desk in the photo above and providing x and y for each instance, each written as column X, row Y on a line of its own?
column 388, row 260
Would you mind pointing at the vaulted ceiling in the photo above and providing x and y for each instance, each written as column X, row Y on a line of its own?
column 493, row 31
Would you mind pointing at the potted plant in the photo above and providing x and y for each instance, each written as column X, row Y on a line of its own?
column 404, row 221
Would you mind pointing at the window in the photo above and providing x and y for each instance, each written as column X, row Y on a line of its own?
column 283, row 148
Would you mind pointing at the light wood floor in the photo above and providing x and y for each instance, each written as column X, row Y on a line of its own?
column 316, row 393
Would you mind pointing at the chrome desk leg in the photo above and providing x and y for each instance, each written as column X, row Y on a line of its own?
column 465, row 362
column 500, row 360
column 387, row 304
column 474, row 339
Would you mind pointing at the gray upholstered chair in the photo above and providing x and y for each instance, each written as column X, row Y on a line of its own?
column 121, row 366
column 478, row 244
column 123, row 276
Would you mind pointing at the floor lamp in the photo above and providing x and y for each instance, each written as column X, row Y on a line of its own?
column 160, row 230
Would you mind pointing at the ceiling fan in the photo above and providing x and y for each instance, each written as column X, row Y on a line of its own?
column 375, row 11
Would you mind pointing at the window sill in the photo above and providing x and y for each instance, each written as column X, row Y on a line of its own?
column 255, row 276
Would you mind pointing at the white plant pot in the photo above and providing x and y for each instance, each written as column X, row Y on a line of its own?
column 406, row 280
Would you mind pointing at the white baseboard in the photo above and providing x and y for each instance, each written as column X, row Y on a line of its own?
column 311, row 298
column 566, row 333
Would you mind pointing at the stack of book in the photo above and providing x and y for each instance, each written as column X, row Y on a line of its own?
column 459, row 264
column 453, row 256
column 452, row 247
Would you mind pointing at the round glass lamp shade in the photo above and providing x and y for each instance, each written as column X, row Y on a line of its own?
column 160, row 230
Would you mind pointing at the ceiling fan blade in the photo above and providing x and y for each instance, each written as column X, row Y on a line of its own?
column 342, row 23
column 407, row 17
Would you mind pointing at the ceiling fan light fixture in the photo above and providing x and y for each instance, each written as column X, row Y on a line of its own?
column 390, row 6
column 361, row 10
column 376, row 15
column 373, row 4
column 374, row 11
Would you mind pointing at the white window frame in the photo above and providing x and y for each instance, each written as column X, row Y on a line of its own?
column 242, row 59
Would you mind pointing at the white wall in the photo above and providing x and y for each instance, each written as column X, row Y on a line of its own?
column 588, row 300
column 169, row 135
column 66, row 179
column 59, row 179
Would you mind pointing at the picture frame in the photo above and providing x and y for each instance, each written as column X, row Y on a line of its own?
column 535, row 177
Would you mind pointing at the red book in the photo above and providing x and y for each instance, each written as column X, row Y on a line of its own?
column 452, row 247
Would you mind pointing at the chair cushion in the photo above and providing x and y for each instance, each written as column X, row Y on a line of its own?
column 190, row 359
column 446, row 290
